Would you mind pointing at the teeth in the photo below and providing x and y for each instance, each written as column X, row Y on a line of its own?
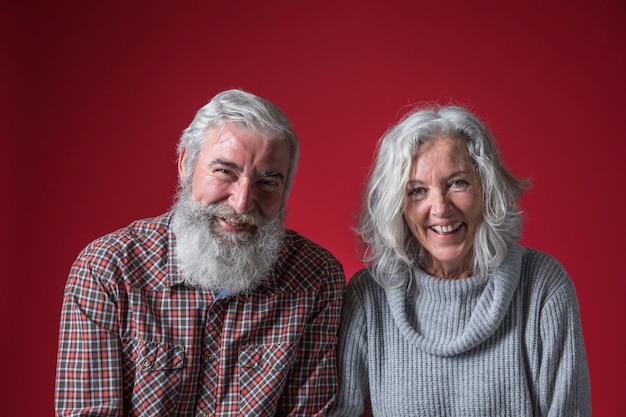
column 447, row 229
column 236, row 223
column 239, row 221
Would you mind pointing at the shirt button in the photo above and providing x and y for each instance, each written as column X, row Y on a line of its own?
column 210, row 357
column 146, row 364
column 203, row 414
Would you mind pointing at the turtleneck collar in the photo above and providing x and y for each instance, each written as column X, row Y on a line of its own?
column 447, row 317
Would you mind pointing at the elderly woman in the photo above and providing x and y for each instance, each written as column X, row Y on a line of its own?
column 453, row 317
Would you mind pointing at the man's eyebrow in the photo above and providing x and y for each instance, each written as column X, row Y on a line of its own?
column 228, row 164
column 274, row 174
column 237, row 168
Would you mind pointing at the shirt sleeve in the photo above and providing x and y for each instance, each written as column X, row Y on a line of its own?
column 312, row 382
column 352, row 357
column 88, row 375
column 564, row 376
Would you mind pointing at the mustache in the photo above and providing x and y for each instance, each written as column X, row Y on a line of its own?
column 231, row 216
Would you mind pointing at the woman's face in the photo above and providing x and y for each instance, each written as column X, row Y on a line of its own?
column 443, row 205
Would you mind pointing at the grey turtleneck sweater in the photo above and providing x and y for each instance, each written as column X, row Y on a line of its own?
column 508, row 346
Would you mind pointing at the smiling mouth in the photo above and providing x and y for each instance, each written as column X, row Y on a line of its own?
column 240, row 221
column 235, row 224
column 449, row 228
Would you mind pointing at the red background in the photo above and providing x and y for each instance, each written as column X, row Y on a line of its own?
column 95, row 95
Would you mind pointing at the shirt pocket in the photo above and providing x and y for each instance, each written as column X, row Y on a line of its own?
column 153, row 377
column 263, row 371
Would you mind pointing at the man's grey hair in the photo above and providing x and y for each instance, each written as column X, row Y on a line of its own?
column 247, row 111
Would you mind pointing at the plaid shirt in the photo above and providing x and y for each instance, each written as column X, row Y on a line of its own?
column 135, row 341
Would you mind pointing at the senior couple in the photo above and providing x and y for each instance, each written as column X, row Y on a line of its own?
column 215, row 309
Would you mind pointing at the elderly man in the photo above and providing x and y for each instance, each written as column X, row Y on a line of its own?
column 214, row 308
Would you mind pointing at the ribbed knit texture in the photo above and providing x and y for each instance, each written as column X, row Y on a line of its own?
column 510, row 346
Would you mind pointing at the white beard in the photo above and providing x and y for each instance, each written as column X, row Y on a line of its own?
column 219, row 260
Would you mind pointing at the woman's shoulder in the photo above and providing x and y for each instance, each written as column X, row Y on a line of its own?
column 361, row 280
column 544, row 273
column 541, row 263
column 364, row 280
column 363, row 286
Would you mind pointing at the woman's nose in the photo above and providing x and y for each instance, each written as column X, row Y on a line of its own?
column 440, row 204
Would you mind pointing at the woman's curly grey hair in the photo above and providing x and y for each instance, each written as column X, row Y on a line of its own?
column 389, row 245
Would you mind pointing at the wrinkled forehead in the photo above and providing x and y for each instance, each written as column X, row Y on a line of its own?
column 247, row 147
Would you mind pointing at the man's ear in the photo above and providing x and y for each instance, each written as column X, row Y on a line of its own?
column 182, row 171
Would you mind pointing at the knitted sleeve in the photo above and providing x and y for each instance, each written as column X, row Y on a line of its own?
column 352, row 353
column 563, row 388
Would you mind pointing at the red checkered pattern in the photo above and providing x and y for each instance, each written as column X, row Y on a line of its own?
column 135, row 341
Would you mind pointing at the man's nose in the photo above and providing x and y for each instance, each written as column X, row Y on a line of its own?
column 241, row 197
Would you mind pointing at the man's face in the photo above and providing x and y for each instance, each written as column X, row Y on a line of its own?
column 227, row 216
column 240, row 169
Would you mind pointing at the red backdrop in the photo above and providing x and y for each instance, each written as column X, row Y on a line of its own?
column 95, row 95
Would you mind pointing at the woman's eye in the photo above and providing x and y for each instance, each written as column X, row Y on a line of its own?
column 416, row 192
column 458, row 183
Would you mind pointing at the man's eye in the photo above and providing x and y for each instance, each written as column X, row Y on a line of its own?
column 223, row 171
column 268, row 185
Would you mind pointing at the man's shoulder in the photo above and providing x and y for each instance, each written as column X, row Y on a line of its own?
column 146, row 231
column 303, row 258
column 297, row 245
column 134, row 256
column 138, row 243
